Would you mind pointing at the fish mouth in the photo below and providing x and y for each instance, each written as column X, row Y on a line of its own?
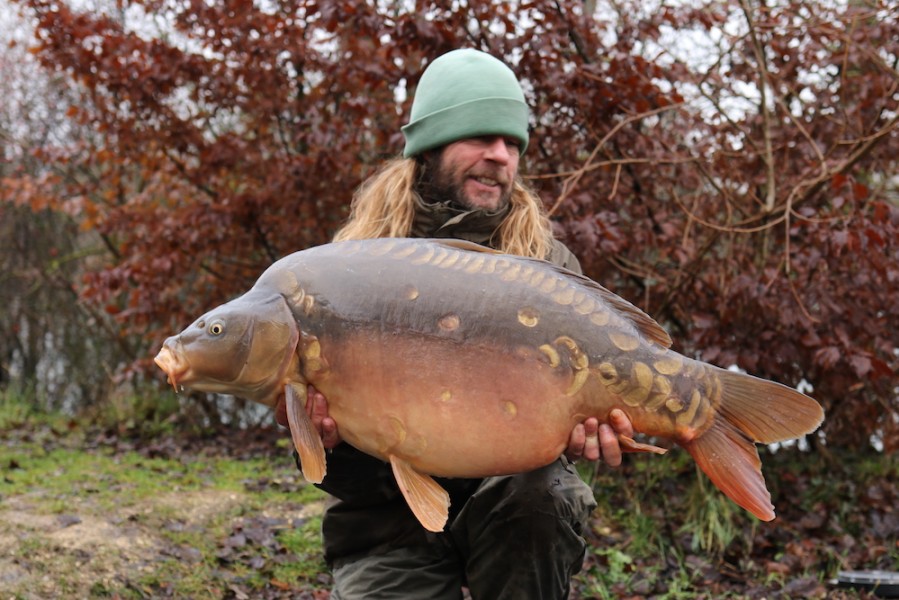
column 174, row 368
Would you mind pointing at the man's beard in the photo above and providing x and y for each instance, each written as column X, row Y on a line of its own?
column 436, row 185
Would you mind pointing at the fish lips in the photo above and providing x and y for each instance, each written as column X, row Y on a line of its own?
column 172, row 363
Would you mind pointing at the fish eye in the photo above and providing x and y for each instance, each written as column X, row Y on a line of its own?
column 216, row 328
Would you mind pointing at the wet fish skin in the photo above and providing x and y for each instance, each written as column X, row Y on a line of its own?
column 248, row 353
column 445, row 358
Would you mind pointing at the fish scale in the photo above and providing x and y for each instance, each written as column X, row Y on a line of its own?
column 445, row 358
column 643, row 387
column 556, row 286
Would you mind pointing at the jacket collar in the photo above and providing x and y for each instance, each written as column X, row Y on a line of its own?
column 447, row 220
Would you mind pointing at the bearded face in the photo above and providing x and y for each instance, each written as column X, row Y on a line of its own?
column 475, row 173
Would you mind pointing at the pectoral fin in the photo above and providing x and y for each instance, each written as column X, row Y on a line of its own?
column 629, row 444
column 306, row 439
column 429, row 502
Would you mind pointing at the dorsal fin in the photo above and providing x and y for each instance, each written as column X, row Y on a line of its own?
column 464, row 245
column 645, row 324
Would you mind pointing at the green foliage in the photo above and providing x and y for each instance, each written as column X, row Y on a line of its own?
column 712, row 519
column 15, row 409
column 617, row 567
column 19, row 408
column 148, row 413
column 662, row 531
column 305, row 544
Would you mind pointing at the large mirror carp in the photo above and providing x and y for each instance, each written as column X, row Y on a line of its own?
column 446, row 358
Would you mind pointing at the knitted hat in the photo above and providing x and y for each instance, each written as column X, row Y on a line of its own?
column 463, row 94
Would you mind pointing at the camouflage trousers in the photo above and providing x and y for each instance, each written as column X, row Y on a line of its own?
column 517, row 538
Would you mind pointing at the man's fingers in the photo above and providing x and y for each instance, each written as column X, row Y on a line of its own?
column 330, row 436
column 317, row 407
column 314, row 401
column 620, row 422
column 591, row 439
column 576, row 443
column 608, row 441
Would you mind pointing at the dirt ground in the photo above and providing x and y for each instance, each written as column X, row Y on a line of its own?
column 71, row 546
column 78, row 550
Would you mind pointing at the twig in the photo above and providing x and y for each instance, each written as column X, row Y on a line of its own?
column 764, row 83
column 576, row 176
column 726, row 228
column 615, row 183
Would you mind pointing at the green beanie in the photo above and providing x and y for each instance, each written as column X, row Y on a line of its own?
column 465, row 94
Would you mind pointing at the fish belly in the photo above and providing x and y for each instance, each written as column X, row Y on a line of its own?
column 449, row 409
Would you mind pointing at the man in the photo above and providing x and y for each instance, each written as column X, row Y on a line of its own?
column 514, row 537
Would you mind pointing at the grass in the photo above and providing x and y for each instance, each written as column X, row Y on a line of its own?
column 663, row 531
column 145, row 492
column 184, row 524
column 18, row 409
column 712, row 519
column 202, row 523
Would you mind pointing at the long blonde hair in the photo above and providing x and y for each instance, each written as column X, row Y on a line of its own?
column 384, row 206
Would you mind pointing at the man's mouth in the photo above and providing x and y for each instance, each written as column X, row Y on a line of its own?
column 488, row 181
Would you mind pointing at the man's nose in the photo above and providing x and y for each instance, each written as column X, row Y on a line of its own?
column 497, row 150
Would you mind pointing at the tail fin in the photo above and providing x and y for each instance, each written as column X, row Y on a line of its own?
column 752, row 411
column 766, row 411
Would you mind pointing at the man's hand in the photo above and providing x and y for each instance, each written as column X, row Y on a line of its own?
column 591, row 440
column 317, row 409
